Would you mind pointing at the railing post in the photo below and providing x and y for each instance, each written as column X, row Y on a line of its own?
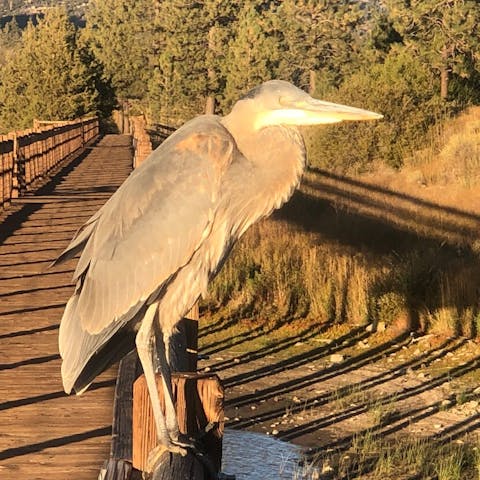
column 15, row 170
column 198, row 398
column 141, row 140
column 35, row 152
column 6, row 170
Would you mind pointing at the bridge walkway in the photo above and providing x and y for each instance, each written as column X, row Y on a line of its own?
column 45, row 434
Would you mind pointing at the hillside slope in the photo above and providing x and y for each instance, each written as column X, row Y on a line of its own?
column 31, row 7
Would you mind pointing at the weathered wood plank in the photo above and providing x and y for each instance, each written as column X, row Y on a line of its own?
column 43, row 432
column 114, row 469
column 121, row 448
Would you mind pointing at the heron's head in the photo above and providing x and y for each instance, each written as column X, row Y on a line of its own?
column 280, row 103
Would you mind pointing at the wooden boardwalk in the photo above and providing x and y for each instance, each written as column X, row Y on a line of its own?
column 45, row 434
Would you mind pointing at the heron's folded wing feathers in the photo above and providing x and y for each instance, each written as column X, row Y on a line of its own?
column 78, row 242
column 152, row 225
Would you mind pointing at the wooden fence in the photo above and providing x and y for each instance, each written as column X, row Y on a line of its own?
column 28, row 155
column 142, row 143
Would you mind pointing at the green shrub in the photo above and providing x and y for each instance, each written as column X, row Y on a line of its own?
column 404, row 91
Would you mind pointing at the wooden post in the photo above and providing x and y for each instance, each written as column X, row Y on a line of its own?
column 119, row 465
column 198, row 400
column 211, row 76
column 6, row 170
column 199, row 405
column 312, row 82
column 15, row 173
column 184, row 346
column 210, row 105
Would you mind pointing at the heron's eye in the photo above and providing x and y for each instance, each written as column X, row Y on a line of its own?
column 289, row 101
column 285, row 100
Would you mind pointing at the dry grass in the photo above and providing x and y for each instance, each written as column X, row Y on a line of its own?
column 382, row 247
column 348, row 251
column 454, row 152
column 373, row 458
column 281, row 273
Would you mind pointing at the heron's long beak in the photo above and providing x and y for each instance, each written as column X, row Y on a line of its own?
column 311, row 111
column 320, row 112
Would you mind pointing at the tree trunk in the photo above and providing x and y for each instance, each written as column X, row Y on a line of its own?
column 444, row 83
column 444, row 74
column 312, row 82
column 210, row 105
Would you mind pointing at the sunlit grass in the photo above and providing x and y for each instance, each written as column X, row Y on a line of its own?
column 352, row 251
column 373, row 458
column 279, row 274
column 454, row 152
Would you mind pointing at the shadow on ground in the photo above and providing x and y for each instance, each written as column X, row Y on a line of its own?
column 331, row 387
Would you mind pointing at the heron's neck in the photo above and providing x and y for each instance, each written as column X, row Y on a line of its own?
column 277, row 155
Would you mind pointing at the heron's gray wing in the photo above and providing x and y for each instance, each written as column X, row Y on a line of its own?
column 153, row 226
column 78, row 242
column 142, row 236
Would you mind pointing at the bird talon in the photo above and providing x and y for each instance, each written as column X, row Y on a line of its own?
column 185, row 442
column 178, row 450
column 225, row 476
column 157, row 453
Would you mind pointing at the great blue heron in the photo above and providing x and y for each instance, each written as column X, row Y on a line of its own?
column 151, row 250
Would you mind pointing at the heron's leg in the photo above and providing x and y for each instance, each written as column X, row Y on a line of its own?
column 164, row 367
column 170, row 411
column 146, row 353
column 166, row 374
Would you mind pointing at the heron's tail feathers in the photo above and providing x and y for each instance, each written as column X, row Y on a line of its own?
column 84, row 356
column 78, row 243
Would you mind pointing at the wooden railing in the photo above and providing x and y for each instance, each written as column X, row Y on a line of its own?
column 158, row 133
column 7, row 167
column 28, row 155
column 142, row 143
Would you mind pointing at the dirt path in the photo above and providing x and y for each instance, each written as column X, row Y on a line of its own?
column 327, row 389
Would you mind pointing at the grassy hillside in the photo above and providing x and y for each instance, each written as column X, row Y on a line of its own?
column 31, row 7
column 286, row 319
column 395, row 248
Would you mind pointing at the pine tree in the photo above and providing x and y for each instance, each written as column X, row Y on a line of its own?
column 178, row 86
column 381, row 35
column 10, row 36
column 319, row 36
column 191, row 46
column 446, row 35
column 253, row 53
column 45, row 77
column 120, row 35
column 191, row 42
column 221, row 16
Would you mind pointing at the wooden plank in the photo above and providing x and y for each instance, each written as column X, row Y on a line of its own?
column 45, row 433
column 128, row 370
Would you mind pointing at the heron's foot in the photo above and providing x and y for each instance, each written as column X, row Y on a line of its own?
column 185, row 442
column 156, row 454
column 225, row 476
